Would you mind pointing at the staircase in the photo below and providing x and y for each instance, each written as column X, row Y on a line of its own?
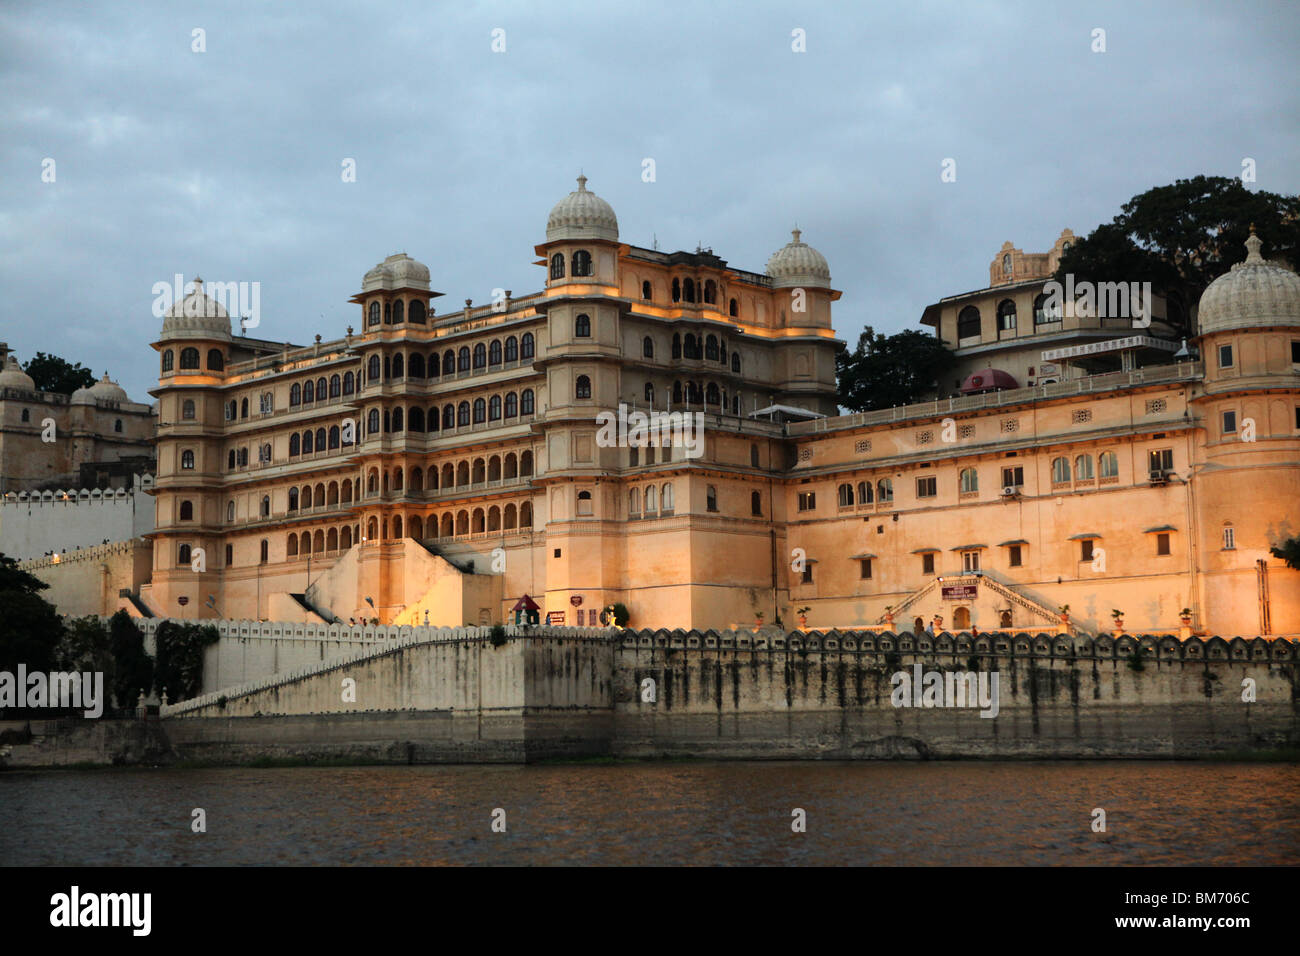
column 1045, row 617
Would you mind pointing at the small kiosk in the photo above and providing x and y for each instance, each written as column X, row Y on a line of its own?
column 526, row 610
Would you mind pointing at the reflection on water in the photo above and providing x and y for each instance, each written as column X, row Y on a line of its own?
column 661, row 813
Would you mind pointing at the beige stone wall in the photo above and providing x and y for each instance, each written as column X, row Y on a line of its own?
column 89, row 581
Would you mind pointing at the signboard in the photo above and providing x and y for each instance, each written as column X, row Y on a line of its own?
column 555, row 617
column 1113, row 345
column 182, row 600
column 959, row 592
column 576, row 600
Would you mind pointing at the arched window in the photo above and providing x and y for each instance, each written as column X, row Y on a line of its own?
column 733, row 309
column 1006, row 264
column 583, row 387
column 388, row 313
column 885, row 490
column 677, row 345
column 1006, row 316
column 435, row 369
column 243, row 458
column 397, row 369
column 557, row 266
column 264, row 453
column 480, row 355
column 398, row 311
column 689, row 348
column 349, row 383
column 374, row 313
column 651, row 499
column 526, row 347
column 189, row 358
column 645, row 289
column 448, row 416
column 415, row 419
column 187, row 511
column 677, row 290
column 666, row 494
column 494, row 408
column 266, row 506
column 449, row 362
column 462, row 359
column 372, row 422
column 494, row 352
column 373, row 369
column 462, row 415
column 216, row 361
column 512, row 405
column 688, row 290
column 336, row 386
column 582, row 263
column 187, row 460
column 711, row 348
column 320, row 439
column 650, row 392
column 526, row 464
column 1045, row 311
column 433, row 419
column 1083, row 468
column 648, row 347
column 677, row 393
column 512, row 349
column 526, row 402
column 293, row 499
column 117, row 424
column 735, row 362
column 582, row 326
column 230, row 510
column 168, row 360
column 183, row 554
column 295, row 445
column 865, row 495
column 1060, row 470
column 187, row 409
column 633, row 501
column 710, row 292
column 417, row 311
column 968, row 322
column 970, row 480
column 230, row 460
column 755, row 500
column 1108, row 464
column 265, row 553
column 845, row 492
column 480, row 411
column 308, row 392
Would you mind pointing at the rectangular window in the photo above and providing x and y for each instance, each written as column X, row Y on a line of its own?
column 1225, row 356
column 807, row 501
column 926, row 487
column 1013, row 477
column 970, row 561
column 1162, row 543
column 1229, row 540
column 1229, row 422
column 1013, row 557
column 927, row 563
column 1085, row 549
column 864, row 568
column 807, row 573
column 1162, row 459
column 1295, row 351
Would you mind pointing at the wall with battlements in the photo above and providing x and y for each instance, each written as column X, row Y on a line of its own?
column 32, row 524
column 92, row 580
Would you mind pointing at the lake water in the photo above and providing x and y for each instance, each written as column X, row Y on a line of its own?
column 931, row 813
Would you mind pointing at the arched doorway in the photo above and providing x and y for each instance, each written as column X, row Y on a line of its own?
column 918, row 626
column 961, row 619
column 1004, row 619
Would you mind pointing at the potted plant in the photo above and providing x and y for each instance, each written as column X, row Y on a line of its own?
column 1185, row 616
column 803, row 616
column 889, row 616
column 1064, row 611
column 1118, row 617
column 758, row 620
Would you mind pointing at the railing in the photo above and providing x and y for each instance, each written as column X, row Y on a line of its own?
column 1109, row 381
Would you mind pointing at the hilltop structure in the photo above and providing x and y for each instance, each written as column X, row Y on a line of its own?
column 448, row 465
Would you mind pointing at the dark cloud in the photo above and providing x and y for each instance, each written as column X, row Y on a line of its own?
column 227, row 163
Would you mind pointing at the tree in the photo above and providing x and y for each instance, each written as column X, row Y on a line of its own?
column 1289, row 552
column 134, row 667
column 30, row 628
column 178, row 667
column 1182, row 237
column 884, row 371
column 53, row 374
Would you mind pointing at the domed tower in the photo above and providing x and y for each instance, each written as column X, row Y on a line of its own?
column 194, row 349
column 805, row 367
column 1247, row 483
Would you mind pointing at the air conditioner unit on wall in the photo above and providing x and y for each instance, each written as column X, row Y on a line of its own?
column 1010, row 491
column 1158, row 477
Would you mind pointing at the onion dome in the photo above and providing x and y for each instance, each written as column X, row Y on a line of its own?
column 105, row 390
column 582, row 215
column 197, row 316
column 1252, row 294
column 797, row 264
column 13, row 376
column 398, row 271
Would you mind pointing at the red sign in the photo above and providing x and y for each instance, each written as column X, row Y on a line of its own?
column 576, row 600
column 959, row 592
column 182, row 600
column 555, row 617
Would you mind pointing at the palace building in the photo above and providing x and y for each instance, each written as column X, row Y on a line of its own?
column 438, row 467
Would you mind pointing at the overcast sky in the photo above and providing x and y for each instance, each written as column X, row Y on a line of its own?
column 227, row 163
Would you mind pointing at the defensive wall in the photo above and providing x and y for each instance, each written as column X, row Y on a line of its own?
column 456, row 694
column 32, row 523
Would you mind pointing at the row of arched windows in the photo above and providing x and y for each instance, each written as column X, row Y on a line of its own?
column 709, row 347
column 190, row 360
column 336, row 386
column 866, row 493
column 396, row 312
column 459, row 474
column 465, row 359
column 452, row 416
column 581, row 264
column 322, row 439
column 685, row 289
column 651, row 499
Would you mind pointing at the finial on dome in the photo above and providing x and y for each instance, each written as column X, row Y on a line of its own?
column 796, row 232
column 198, row 284
column 582, row 183
column 1253, row 245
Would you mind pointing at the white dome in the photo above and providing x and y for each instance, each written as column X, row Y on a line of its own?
column 398, row 271
column 197, row 316
column 582, row 215
column 13, row 375
column 798, row 264
column 105, row 390
column 1253, row 294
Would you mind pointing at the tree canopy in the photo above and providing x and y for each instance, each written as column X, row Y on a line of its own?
column 30, row 628
column 1182, row 237
column 1289, row 552
column 887, row 370
column 53, row 374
